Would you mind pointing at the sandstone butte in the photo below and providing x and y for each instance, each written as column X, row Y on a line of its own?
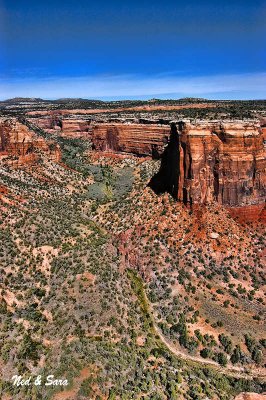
column 21, row 146
column 202, row 161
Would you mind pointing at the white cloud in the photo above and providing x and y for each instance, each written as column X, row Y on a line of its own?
column 235, row 86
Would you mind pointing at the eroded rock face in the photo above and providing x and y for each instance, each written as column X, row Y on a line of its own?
column 207, row 161
column 76, row 128
column 223, row 162
column 19, row 145
column 72, row 128
column 139, row 139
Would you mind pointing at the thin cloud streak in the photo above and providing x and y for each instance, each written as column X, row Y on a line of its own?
column 235, row 86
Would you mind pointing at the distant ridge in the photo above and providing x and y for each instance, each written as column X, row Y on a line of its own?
column 76, row 99
column 80, row 99
column 38, row 99
column 22, row 99
column 191, row 99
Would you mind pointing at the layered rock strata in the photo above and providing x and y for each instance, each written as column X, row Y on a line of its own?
column 66, row 127
column 223, row 162
column 138, row 139
column 19, row 145
column 202, row 161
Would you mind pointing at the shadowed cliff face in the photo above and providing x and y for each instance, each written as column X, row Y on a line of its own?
column 112, row 139
column 167, row 179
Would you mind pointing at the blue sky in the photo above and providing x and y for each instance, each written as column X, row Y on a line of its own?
column 133, row 49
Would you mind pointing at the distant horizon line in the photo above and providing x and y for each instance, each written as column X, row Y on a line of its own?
column 104, row 100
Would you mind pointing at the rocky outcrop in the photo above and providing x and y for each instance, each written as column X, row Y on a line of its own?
column 139, row 139
column 223, row 162
column 76, row 128
column 66, row 127
column 19, row 145
column 254, row 212
column 204, row 161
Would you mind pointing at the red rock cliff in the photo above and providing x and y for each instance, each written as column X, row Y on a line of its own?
column 139, row 139
column 212, row 161
column 66, row 127
column 19, row 145
column 223, row 162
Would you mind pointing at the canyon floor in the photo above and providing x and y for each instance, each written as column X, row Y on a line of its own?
column 126, row 293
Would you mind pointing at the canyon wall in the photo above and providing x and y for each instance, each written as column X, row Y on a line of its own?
column 202, row 161
column 20, row 146
column 65, row 127
column 224, row 162
column 138, row 139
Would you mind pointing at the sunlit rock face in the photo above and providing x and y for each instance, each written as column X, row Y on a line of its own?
column 222, row 161
column 135, row 138
column 71, row 128
column 139, row 139
column 20, row 146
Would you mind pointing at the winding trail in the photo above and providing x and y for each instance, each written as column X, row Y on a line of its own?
column 237, row 372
